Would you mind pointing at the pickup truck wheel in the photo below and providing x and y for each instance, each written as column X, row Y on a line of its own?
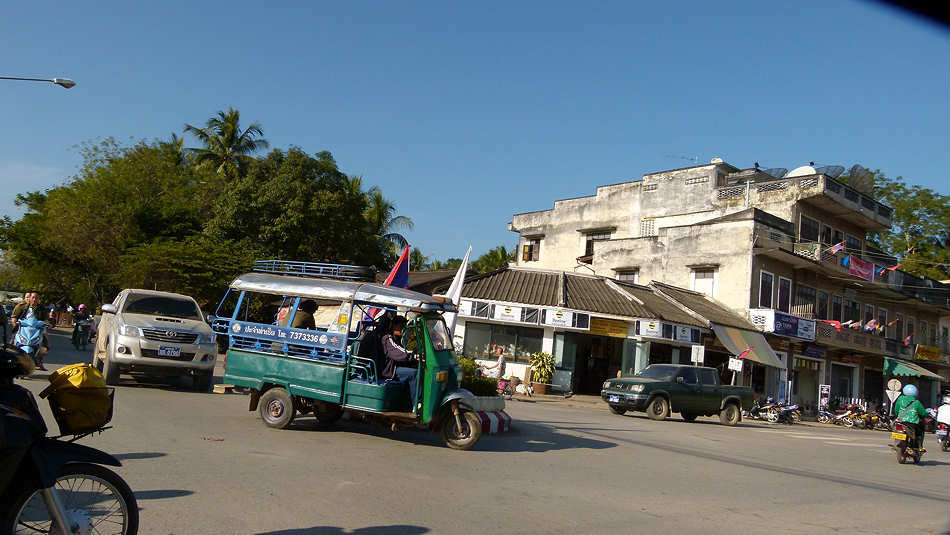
column 276, row 408
column 689, row 417
column 110, row 372
column 658, row 409
column 729, row 415
column 616, row 409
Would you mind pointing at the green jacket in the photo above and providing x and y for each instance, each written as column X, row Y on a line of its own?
column 913, row 413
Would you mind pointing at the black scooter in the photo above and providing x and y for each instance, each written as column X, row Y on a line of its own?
column 906, row 443
column 48, row 484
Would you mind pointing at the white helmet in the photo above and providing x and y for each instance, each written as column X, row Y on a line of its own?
column 946, row 400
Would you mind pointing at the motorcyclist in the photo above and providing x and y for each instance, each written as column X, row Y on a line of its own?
column 943, row 412
column 910, row 411
column 30, row 307
column 79, row 316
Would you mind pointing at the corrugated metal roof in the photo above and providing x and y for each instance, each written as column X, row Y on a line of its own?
column 699, row 303
column 595, row 295
column 660, row 306
column 516, row 286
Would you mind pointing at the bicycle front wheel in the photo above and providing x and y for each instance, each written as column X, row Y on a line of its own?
column 94, row 498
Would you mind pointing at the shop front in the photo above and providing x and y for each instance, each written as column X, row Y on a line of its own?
column 763, row 368
column 927, row 382
column 806, row 375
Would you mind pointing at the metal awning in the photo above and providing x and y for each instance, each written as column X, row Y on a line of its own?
column 738, row 340
column 902, row 367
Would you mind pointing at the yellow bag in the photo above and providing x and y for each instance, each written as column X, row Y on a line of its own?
column 79, row 399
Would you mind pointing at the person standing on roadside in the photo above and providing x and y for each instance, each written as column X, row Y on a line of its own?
column 31, row 308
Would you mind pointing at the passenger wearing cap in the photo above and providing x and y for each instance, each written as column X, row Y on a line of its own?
column 943, row 412
column 910, row 411
column 81, row 314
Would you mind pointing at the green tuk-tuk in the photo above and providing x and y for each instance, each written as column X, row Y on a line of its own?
column 307, row 338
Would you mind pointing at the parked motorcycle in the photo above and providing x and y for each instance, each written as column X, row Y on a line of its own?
column 48, row 484
column 905, row 443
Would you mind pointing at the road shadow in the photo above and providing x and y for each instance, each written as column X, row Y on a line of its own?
column 369, row 530
column 524, row 436
column 161, row 494
column 138, row 455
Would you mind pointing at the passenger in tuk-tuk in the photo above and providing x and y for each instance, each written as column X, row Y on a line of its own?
column 304, row 319
column 397, row 355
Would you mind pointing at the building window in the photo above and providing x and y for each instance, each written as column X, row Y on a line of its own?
column 704, row 281
column 766, row 286
column 924, row 333
column 852, row 311
column 838, row 237
column 868, row 313
column 945, row 338
column 854, row 245
column 836, row 308
column 784, row 294
column 882, row 320
column 826, row 235
column 823, row 305
column 896, row 331
column 531, row 250
column 805, row 297
column 933, row 334
column 591, row 238
column 910, row 329
column 809, row 229
column 629, row 275
column 518, row 343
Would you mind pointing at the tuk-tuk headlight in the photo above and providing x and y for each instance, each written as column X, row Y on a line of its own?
column 459, row 376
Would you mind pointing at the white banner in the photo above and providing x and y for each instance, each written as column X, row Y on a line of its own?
column 507, row 313
column 735, row 364
column 698, row 354
column 651, row 329
column 558, row 318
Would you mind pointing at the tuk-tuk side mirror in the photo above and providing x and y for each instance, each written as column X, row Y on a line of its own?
column 108, row 309
column 209, row 319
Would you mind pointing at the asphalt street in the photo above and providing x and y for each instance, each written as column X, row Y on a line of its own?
column 201, row 463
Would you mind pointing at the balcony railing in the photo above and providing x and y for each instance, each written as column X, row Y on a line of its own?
column 857, row 340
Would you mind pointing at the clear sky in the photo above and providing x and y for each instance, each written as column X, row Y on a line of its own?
column 466, row 113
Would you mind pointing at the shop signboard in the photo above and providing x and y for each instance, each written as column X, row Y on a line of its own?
column 811, row 350
column 605, row 327
column 507, row 313
column 735, row 364
column 698, row 354
column 465, row 308
column 651, row 329
column 558, row 318
column 793, row 326
column 927, row 352
column 824, row 397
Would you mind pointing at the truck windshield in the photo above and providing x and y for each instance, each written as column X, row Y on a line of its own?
column 155, row 305
column 657, row 371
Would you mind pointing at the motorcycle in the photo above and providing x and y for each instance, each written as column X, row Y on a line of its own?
column 905, row 443
column 29, row 336
column 762, row 410
column 786, row 414
column 942, row 438
column 81, row 334
column 49, row 484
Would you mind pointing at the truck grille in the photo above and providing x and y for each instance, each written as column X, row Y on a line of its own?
column 153, row 354
column 159, row 335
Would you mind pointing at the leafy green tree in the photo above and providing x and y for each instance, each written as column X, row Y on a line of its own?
column 227, row 148
column 383, row 222
column 418, row 261
column 920, row 223
column 451, row 263
column 495, row 258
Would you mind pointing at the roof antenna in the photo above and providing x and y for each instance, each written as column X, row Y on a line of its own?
column 756, row 165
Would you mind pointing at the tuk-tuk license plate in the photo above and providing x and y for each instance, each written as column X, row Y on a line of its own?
column 168, row 351
column 613, row 399
column 941, row 432
column 899, row 436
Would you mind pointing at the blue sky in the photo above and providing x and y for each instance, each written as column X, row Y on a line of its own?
column 465, row 114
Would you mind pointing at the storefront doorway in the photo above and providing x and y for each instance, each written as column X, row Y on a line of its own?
column 806, row 376
column 873, row 387
column 843, row 379
column 597, row 359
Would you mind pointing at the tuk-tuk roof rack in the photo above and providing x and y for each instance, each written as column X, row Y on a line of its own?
column 316, row 270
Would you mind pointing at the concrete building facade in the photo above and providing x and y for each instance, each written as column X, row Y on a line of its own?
column 765, row 245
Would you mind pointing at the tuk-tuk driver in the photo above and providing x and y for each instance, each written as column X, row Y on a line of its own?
column 396, row 355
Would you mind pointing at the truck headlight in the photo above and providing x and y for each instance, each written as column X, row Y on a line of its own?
column 636, row 388
column 129, row 330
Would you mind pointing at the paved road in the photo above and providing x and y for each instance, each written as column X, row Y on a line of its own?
column 200, row 463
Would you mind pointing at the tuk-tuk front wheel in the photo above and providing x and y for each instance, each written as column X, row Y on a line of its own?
column 276, row 408
column 467, row 436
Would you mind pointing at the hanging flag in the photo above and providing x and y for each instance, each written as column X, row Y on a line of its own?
column 856, row 325
column 836, row 247
column 847, row 323
column 892, row 268
column 846, row 260
column 398, row 277
column 869, row 326
column 907, row 340
column 745, row 353
column 454, row 292
column 835, row 324
column 892, row 322
column 878, row 328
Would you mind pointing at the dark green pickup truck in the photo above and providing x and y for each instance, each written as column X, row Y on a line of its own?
column 689, row 390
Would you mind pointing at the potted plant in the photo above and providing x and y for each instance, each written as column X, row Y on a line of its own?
column 542, row 371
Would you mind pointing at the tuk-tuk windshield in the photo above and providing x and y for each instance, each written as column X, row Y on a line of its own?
column 438, row 333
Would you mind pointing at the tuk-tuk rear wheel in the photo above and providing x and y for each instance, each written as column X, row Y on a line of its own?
column 277, row 408
column 469, row 435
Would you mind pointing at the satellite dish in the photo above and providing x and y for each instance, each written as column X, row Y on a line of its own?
column 805, row 170
column 777, row 172
column 861, row 179
column 834, row 171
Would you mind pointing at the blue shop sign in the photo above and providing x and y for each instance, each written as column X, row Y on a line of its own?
column 811, row 350
column 793, row 326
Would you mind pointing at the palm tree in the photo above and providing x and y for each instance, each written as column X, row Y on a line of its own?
column 226, row 146
column 494, row 259
column 382, row 219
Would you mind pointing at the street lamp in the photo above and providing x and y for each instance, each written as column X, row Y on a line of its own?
column 65, row 82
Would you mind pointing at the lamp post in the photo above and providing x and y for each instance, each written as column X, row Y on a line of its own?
column 64, row 82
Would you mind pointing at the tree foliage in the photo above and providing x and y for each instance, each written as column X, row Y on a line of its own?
column 227, row 148
column 495, row 258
